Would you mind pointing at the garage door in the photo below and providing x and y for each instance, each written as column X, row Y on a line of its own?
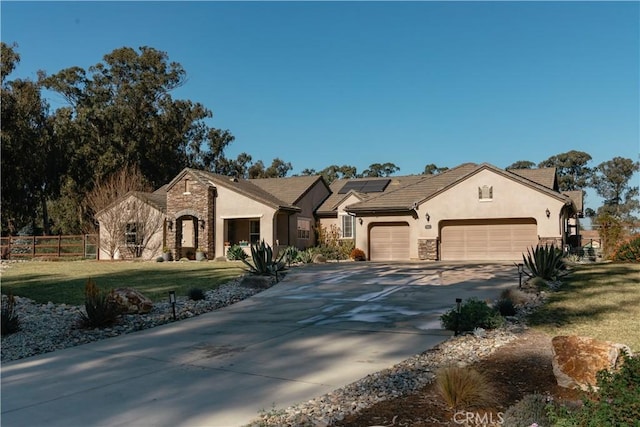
column 504, row 239
column 389, row 242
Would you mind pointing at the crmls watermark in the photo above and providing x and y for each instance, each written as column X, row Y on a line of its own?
column 467, row 418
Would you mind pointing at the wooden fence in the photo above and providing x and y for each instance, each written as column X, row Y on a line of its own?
column 80, row 246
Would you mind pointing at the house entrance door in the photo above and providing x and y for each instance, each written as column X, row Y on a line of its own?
column 187, row 237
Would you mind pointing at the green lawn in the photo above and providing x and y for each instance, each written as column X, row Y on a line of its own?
column 64, row 281
column 601, row 301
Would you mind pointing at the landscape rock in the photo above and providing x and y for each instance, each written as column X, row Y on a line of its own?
column 131, row 301
column 319, row 259
column 577, row 360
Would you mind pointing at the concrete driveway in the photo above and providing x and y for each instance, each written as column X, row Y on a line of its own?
column 321, row 328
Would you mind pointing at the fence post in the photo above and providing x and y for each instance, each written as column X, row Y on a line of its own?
column 59, row 245
column 33, row 247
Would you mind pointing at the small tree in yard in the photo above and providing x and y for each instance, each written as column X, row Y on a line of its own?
column 132, row 222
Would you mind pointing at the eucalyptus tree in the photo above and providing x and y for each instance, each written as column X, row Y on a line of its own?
column 611, row 180
column 571, row 167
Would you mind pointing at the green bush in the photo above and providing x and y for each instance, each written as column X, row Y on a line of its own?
column 306, row 256
column 290, row 254
column 159, row 259
column 628, row 251
column 236, row 253
column 196, row 294
column 544, row 261
column 263, row 262
column 505, row 307
column 10, row 321
column 617, row 402
column 473, row 314
column 100, row 309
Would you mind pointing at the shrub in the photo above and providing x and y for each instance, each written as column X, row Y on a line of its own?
column 159, row 259
column 543, row 261
column 263, row 262
column 196, row 294
column 628, row 251
column 100, row 310
column 531, row 409
column 236, row 253
column 616, row 404
column 537, row 284
column 306, row 256
column 473, row 314
column 290, row 254
column 358, row 255
column 516, row 295
column 464, row 387
column 10, row 320
column 505, row 307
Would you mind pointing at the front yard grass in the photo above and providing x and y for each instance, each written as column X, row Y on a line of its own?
column 64, row 281
column 601, row 301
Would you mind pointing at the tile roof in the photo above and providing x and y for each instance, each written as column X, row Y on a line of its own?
column 542, row 176
column 577, row 197
column 243, row 186
column 289, row 189
column 336, row 198
column 416, row 190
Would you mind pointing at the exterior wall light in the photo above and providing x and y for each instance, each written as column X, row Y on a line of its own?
column 360, row 221
column 201, row 223
column 548, row 212
column 170, row 225
column 427, row 216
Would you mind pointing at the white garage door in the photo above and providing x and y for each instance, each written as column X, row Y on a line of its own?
column 503, row 239
column 389, row 242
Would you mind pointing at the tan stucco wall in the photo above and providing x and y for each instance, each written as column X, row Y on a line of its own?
column 231, row 205
column 510, row 200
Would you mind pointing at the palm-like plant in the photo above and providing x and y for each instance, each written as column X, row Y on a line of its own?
column 263, row 263
column 544, row 261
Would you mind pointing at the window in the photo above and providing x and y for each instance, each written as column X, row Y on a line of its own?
column 485, row 193
column 131, row 234
column 254, row 231
column 347, row 227
column 304, row 229
column 188, row 186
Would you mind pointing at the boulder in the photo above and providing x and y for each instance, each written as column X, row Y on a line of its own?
column 131, row 301
column 577, row 360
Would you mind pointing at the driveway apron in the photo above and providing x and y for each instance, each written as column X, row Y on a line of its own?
column 322, row 327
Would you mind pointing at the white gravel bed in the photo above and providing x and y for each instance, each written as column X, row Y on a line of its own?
column 50, row 327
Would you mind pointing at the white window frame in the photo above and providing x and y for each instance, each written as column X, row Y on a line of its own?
column 254, row 236
column 351, row 226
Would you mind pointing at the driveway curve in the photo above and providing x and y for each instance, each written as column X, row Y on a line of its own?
column 322, row 327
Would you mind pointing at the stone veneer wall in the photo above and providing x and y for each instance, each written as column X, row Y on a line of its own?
column 556, row 241
column 199, row 202
column 428, row 249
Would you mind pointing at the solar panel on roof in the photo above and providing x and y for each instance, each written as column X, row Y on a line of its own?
column 366, row 186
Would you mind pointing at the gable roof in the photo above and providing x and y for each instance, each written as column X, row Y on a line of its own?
column 408, row 197
column 249, row 188
column 157, row 200
column 289, row 189
column 336, row 198
column 543, row 176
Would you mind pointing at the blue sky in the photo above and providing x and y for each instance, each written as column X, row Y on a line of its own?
column 412, row 83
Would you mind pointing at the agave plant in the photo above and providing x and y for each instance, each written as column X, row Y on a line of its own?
column 263, row 263
column 544, row 261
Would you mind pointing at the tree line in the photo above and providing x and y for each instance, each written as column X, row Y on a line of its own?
column 120, row 115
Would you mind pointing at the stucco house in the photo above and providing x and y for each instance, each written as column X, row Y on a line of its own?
column 470, row 212
column 208, row 212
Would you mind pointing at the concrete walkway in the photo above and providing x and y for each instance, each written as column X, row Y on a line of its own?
column 321, row 328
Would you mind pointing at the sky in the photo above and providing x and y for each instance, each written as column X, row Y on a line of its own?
column 356, row 83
